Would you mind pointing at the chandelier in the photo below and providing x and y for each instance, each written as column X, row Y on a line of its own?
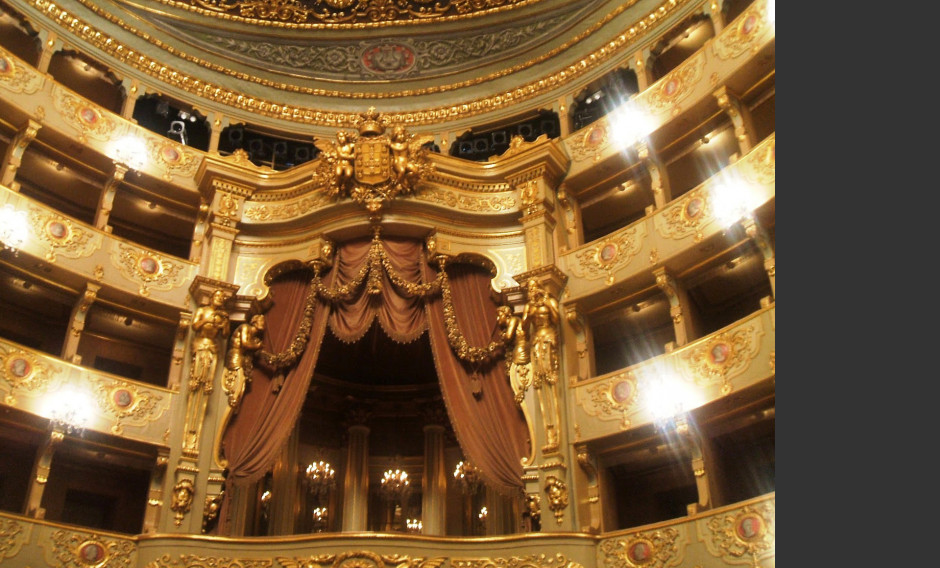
column 394, row 483
column 467, row 477
column 13, row 228
column 320, row 518
column 321, row 477
column 414, row 526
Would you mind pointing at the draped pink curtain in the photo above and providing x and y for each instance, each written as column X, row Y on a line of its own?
column 401, row 317
column 491, row 430
column 266, row 418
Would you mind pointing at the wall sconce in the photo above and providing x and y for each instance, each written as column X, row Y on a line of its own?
column 414, row 526
column 394, row 484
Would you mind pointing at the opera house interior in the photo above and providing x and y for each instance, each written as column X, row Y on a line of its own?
column 387, row 283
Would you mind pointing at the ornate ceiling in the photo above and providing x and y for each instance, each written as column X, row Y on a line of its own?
column 321, row 62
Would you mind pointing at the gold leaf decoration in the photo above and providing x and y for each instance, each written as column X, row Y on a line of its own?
column 744, row 536
column 648, row 549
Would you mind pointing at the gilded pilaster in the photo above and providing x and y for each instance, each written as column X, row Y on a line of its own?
column 740, row 117
column 587, row 489
column 106, row 198
column 217, row 122
column 546, row 477
column 198, row 406
column 14, row 154
column 284, row 507
column 77, row 323
column 155, row 502
column 579, row 346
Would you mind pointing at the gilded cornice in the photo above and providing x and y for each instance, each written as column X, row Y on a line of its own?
column 29, row 377
column 346, row 14
column 714, row 366
column 215, row 92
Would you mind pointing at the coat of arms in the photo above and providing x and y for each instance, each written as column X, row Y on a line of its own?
column 370, row 166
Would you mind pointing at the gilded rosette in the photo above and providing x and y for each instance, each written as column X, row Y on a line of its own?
column 605, row 257
column 16, row 78
column 648, row 549
column 63, row 236
column 742, row 536
column 612, row 399
column 678, row 84
column 723, row 357
column 83, row 550
column 172, row 158
column 590, row 141
column 685, row 217
column 743, row 33
column 147, row 269
column 23, row 370
column 89, row 119
column 127, row 403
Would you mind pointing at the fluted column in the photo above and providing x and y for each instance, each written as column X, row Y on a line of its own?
column 356, row 483
column 434, row 482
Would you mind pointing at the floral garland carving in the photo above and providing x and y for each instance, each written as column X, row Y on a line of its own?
column 558, row 560
column 194, row 561
column 360, row 559
column 12, row 538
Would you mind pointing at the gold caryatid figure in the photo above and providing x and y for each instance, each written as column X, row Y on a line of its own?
column 370, row 166
column 540, row 321
column 210, row 325
column 239, row 360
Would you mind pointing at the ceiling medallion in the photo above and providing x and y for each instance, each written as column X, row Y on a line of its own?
column 371, row 167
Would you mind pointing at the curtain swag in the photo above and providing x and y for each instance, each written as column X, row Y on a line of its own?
column 370, row 274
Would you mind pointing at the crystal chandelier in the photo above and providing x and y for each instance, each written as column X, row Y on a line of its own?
column 320, row 517
column 13, row 228
column 321, row 477
column 414, row 526
column 467, row 477
column 394, row 483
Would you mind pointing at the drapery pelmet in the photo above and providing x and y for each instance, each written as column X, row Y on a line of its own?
column 389, row 280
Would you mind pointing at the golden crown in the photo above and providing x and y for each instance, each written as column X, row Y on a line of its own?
column 371, row 123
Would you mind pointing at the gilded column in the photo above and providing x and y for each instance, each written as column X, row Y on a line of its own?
column 740, row 117
column 132, row 91
column 760, row 237
column 659, row 180
column 434, row 481
column 41, row 474
column 14, row 154
column 106, row 198
column 638, row 62
column 77, row 323
column 155, row 493
column 356, row 482
column 679, row 306
column 51, row 43
column 285, row 496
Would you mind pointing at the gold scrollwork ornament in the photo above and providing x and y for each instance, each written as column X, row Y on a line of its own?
column 371, row 167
